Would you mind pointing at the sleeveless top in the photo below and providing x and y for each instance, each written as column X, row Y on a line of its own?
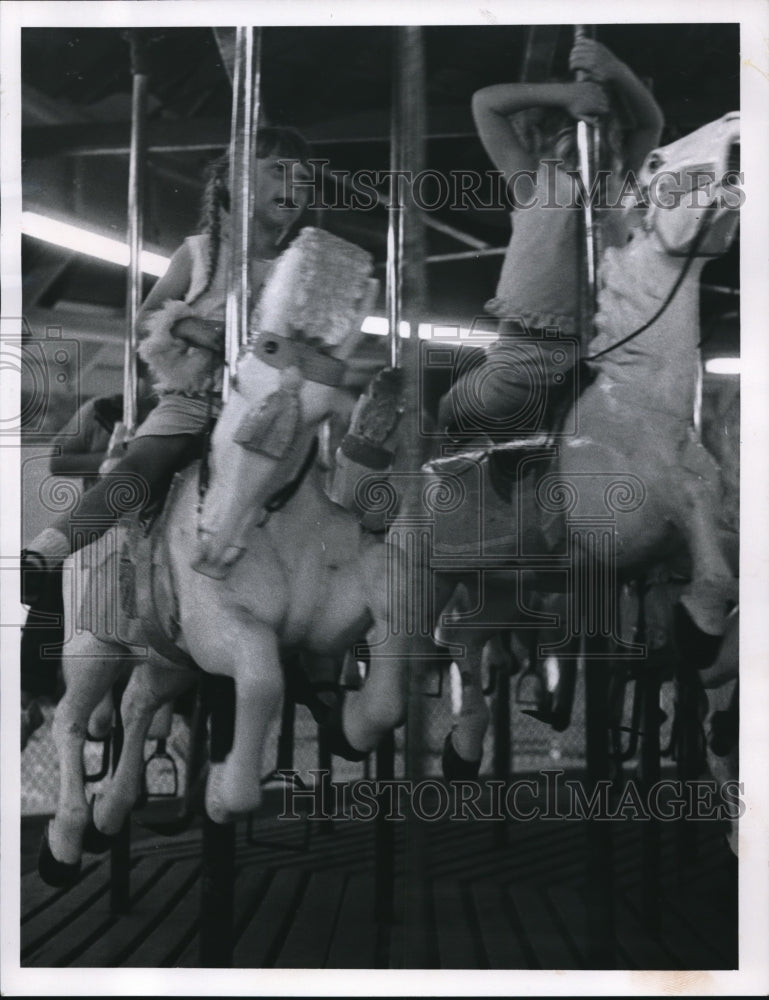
column 539, row 280
column 190, row 412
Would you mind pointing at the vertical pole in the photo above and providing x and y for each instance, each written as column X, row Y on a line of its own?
column 217, row 876
column 384, row 835
column 599, row 593
column 600, row 888
column 649, row 681
column 137, row 159
column 245, row 114
column 502, row 745
column 409, row 131
column 394, row 268
column 588, row 150
column 120, row 852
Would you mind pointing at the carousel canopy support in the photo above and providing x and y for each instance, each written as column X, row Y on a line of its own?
column 245, row 116
column 137, row 159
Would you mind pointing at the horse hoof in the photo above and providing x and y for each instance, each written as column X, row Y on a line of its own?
column 336, row 740
column 456, row 768
column 58, row 874
column 96, row 842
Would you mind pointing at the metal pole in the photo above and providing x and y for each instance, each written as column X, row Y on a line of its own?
column 245, row 116
column 124, row 430
column 217, row 876
column 588, row 149
column 394, row 267
column 409, row 129
column 120, row 851
column 600, row 882
column 384, row 835
column 502, row 745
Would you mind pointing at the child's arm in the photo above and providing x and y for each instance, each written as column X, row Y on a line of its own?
column 645, row 114
column 173, row 285
column 493, row 106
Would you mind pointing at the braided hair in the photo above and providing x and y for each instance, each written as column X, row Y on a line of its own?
column 271, row 140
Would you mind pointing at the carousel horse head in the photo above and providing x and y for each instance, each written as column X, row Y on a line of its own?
column 692, row 189
column 287, row 380
column 689, row 199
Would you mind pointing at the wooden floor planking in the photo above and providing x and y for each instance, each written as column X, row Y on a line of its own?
column 637, row 949
column 261, row 937
column 504, row 945
column 456, row 938
column 120, row 944
column 37, row 896
column 353, row 945
column 543, row 934
column 513, row 908
column 309, row 938
column 95, row 920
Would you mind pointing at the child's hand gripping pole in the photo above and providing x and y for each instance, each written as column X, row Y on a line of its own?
column 588, row 138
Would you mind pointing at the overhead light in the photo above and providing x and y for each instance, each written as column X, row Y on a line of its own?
column 62, row 234
column 442, row 333
column 723, row 366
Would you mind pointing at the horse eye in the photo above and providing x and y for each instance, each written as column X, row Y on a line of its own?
column 270, row 347
column 654, row 162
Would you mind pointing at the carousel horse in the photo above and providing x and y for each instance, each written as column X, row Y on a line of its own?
column 547, row 694
column 263, row 561
column 631, row 485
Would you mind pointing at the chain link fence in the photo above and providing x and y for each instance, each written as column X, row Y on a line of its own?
column 534, row 744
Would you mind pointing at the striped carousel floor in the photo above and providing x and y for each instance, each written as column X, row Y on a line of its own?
column 304, row 898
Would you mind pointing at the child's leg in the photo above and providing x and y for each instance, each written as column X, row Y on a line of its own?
column 507, row 394
column 142, row 475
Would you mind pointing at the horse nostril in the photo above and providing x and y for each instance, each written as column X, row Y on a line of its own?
column 270, row 347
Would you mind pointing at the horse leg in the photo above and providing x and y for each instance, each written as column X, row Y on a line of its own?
column 250, row 656
column 100, row 722
column 379, row 706
column 463, row 749
column 147, row 691
column 90, row 668
column 714, row 586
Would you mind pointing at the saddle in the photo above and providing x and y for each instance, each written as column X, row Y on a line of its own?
column 147, row 592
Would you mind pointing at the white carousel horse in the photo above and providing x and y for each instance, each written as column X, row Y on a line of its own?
column 304, row 575
column 634, row 460
column 721, row 436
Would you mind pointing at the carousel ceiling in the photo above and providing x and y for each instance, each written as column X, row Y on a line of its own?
column 334, row 85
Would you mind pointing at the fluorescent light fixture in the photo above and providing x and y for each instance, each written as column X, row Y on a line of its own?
column 71, row 237
column 723, row 366
column 64, row 234
column 442, row 333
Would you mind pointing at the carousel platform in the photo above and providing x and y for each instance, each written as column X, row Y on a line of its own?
column 489, row 896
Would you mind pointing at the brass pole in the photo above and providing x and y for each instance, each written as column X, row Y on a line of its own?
column 136, row 162
column 245, row 115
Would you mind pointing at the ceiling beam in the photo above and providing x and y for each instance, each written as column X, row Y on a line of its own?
column 187, row 135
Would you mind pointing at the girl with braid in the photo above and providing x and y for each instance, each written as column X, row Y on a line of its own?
column 184, row 319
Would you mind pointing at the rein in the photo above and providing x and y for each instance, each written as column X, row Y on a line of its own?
column 696, row 243
column 278, row 352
